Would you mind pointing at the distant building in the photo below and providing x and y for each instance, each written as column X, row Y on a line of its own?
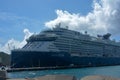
column 4, row 59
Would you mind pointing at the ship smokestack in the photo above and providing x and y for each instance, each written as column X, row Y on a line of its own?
column 106, row 36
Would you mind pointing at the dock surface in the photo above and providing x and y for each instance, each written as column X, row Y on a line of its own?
column 66, row 77
column 40, row 68
column 50, row 77
column 99, row 77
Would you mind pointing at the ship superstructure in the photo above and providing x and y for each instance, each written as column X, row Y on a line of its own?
column 63, row 47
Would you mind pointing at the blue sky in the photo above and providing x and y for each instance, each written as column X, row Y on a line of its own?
column 16, row 15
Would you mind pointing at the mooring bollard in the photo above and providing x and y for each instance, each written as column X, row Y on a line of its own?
column 3, row 75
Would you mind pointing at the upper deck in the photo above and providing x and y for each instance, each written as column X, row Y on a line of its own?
column 55, row 33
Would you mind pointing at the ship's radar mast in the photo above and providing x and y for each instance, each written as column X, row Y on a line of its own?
column 58, row 25
column 86, row 32
column 66, row 27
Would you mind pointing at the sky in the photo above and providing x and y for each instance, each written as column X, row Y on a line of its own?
column 15, row 15
column 19, row 19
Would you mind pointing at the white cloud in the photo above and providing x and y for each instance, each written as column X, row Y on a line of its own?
column 102, row 19
column 11, row 25
column 27, row 35
column 14, row 44
column 11, row 44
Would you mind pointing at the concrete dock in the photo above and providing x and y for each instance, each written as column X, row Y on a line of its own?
column 99, row 77
column 66, row 77
column 3, row 75
column 50, row 77
column 40, row 68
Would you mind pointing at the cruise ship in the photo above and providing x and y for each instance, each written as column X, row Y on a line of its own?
column 63, row 47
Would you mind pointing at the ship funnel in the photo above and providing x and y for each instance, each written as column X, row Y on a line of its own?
column 106, row 36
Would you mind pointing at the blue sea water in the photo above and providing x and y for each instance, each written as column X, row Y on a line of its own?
column 113, row 71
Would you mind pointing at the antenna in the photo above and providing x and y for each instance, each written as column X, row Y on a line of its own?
column 58, row 25
column 86, row 32
column 66, row 27
column 9, row 46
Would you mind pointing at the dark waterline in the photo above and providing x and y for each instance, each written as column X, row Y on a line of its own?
column 113, row 71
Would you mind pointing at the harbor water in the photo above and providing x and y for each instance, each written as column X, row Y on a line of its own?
column 113, row 71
